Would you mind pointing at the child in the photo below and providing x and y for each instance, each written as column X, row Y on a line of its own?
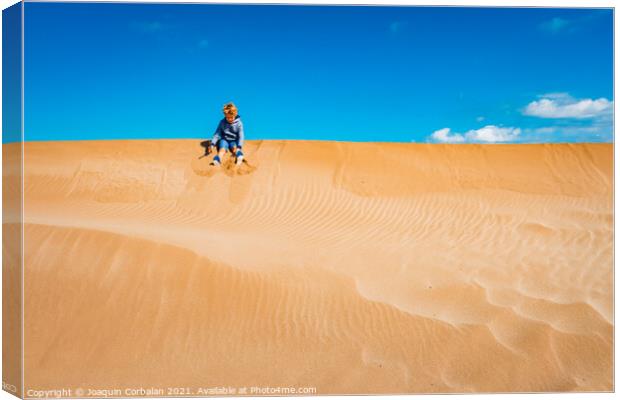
column 228, row 135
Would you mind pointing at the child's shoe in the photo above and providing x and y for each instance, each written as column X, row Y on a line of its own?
column 239, row 157
column 216, row 161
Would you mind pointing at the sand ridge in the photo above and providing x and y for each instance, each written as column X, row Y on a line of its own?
column 352, row 267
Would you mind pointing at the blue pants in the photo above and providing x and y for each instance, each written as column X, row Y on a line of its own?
column 228, row 145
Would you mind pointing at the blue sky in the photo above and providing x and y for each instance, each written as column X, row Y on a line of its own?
column 11, row 74
column 421, row 74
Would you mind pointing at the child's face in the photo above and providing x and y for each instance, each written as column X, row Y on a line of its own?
column 230, row 117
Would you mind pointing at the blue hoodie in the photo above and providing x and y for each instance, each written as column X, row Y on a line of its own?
column 229, row 132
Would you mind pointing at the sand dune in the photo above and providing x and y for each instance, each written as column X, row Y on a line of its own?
column 349, row 267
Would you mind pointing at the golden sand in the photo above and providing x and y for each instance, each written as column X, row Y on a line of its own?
column 349, row 267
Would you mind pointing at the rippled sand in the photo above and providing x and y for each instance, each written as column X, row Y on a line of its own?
column 349, row 267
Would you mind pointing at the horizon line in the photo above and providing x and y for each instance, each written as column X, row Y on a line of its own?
column 300, row 140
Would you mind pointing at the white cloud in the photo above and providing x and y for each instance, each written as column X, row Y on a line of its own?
column 487, row 134
column 597, row 132
column 444, row 136
column 492, row 133
column 562, row 105
column 576, row 120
